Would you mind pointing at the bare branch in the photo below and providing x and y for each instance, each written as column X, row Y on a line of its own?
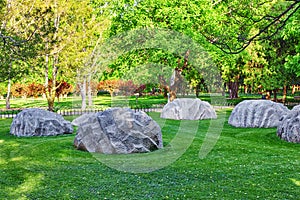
column 7, row 39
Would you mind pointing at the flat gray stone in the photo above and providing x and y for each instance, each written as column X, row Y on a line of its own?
column 188, row 109
column 289, row 127
column 38, row 122
column 118, row 131
column 77, row 121
column 257, row 113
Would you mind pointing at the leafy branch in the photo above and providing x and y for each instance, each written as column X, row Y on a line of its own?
column 279, row 21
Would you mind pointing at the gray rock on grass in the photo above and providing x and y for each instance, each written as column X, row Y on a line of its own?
column 296, row 108
column 118, row 131
column 257, row 113
column 289, row 127
column 77, row 121
column 38, row 122
column 188, row 109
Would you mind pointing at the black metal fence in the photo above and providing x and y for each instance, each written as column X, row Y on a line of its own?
column 71, row 112
column 11, row 113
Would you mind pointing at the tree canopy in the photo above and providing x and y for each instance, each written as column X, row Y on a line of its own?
column 254, row 44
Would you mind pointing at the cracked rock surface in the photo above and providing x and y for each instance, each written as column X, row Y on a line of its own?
column 118, row 131
column 38, row 122
column 289, row 128
column 188, row 109
column 257, row 113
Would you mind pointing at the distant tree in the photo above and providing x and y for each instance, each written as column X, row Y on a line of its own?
column 59, row 27
column 64, row 41
column 283, row 56
column 222, row 27
column 186, row 17
column 290, row 35
column 82, row 54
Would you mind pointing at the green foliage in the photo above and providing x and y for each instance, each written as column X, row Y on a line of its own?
column 232, row 26
column 18, row 38
column 279, row 52
column 291, row 34
column 143, row 66
column 3, row 89
column 60, row 39
column 178, row 16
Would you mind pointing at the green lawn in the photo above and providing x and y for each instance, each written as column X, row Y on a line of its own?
column 98, row 102
column 106, row 101
column 244, row 164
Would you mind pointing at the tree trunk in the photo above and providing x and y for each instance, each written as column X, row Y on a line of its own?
column 47, row 88
column 51, row 98
column 7, row 100
column 284, row 94
column 293, row 89
column 268, row 95
column 50, row 104
column 175, row 84
column 82, row 88
column 233, row 90
column 51, row 89
column 165, row 91
column 245, row 89
column 197, row 90
column 89, row 92
column 275, row 95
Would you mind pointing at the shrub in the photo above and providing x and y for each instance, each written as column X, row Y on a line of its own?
column 19, row 90
column 127, row 88
column 63, row 88
column 35, row 89
column 110, row 86
column 140, row 89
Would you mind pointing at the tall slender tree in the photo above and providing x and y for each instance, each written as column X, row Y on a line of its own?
column 19, row 24
column 82, row 54
column 65, row 41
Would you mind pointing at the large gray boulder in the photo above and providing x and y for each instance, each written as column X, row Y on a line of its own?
column 257, row 113
column 188, row 109
column 38, row 122
column 118, row 131
column 289, row 127
column 295, row 108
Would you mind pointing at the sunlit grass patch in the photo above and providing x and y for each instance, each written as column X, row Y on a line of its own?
column 243, row 163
